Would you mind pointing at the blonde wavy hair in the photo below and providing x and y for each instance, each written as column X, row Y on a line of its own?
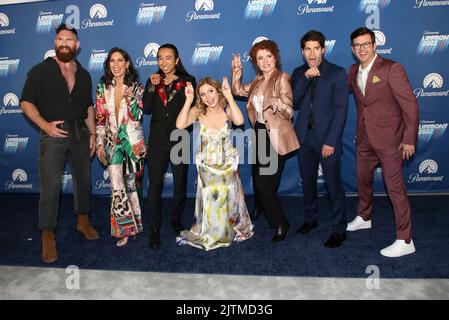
column 201, row 107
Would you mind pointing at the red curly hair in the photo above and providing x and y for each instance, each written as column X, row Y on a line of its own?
column 267, row 45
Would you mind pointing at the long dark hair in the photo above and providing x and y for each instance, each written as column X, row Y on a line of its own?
column 131, row 74
column 180, row 71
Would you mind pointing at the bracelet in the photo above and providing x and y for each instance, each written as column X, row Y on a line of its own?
column 92, row 134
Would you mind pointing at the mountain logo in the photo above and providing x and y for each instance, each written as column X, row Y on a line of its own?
column 49, row 53
column 204, row 5
column 98, row 11
column 19, row 175
column 380, row 38
column 433, row 80
column 151, row 50
column 428, row 166
column 4, row 20
column 258, row 39
column 10, row 100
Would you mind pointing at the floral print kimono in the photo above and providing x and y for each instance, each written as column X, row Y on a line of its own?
column 124, row 145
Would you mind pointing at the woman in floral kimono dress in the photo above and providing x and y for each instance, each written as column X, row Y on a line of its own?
column 120, row 140
column 221, row 216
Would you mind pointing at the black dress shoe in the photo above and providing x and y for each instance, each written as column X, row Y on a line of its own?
column 281, row 231
column 306, row 227
column 155, row 241
column 255, row 213
column 335, row 240
column 177, row 227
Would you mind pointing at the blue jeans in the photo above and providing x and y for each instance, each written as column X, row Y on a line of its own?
column 54, row 152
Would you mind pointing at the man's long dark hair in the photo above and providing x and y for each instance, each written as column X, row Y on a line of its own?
column 131, row 74
column 180, row 71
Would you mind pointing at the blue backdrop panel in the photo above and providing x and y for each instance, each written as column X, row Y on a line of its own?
column 207, row 33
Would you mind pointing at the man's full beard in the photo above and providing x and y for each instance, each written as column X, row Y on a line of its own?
column 65, row 56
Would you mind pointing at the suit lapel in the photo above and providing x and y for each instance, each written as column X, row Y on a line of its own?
column 270, row 89
column 355, row 83
column 372, row 72
column 251, row 108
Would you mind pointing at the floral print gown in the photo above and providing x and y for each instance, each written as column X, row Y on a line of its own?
column 125, row 150
column 221, row 216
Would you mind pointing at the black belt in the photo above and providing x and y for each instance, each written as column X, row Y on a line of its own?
column 73, row 126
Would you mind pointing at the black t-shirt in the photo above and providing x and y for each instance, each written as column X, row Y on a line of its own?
column 46, row 88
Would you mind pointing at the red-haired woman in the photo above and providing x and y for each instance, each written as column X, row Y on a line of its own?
column 270, row 112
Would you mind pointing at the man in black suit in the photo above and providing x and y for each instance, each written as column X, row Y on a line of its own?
column 164, row 98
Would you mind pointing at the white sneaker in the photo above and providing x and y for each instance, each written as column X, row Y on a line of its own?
column 398, row 249
column 358, row 224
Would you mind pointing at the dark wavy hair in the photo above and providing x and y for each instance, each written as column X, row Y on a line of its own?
column 313, row 35
column 131, row 74
column 269, row 45
column 361, row 32
column 180, row 71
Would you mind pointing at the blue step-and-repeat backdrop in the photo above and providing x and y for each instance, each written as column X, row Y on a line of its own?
column 207, row 33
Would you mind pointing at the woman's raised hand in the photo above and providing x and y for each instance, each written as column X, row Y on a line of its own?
column 226, row 89
column 189, row 92
column 236, row 62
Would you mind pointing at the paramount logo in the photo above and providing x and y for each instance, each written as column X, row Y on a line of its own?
column 427, row 170
column 431, row 83
column 10, row 100
column 50, row 53
column 150, row 51
column 19, row 177
column 314, row 6
column 97, row 12
column 205, row 6
column 103, row 182
column 4, row 22
column 381, row 40
column 10, row 104
column 430, row 3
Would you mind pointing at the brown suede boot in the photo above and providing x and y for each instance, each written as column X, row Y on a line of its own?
column 49, row 253
column 83, row 225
